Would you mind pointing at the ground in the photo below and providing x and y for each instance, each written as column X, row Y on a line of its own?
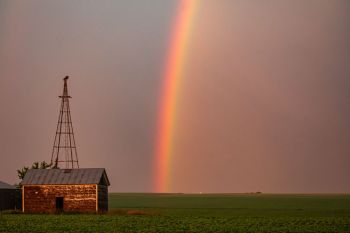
column 198, row 213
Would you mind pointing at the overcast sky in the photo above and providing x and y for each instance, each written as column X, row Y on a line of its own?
column 264, row 104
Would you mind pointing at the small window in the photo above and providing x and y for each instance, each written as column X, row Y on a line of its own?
column 59, row 203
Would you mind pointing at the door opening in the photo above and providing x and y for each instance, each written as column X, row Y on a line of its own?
column 59, row 203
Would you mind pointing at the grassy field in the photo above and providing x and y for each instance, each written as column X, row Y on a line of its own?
column 198, row 213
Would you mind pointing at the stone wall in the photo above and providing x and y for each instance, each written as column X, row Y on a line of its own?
column 42, row 198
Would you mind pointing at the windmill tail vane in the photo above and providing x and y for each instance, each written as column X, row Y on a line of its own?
column 64, row 150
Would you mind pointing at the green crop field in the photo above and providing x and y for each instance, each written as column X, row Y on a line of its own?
column 198, row 213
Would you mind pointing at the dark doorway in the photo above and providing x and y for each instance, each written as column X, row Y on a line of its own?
column 59, row 203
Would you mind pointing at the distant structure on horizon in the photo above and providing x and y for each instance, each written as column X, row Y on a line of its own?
column 64, row 148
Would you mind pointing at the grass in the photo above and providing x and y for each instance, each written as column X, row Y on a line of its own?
column 198, row 213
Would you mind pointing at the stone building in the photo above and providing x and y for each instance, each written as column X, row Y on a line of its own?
column 68, row 190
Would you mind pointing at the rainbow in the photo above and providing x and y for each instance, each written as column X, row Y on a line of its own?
column 174, row 69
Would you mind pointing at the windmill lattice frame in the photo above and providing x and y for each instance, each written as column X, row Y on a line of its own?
column 64, row 148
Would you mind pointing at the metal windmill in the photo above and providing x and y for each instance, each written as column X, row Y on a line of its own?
column 64, row 148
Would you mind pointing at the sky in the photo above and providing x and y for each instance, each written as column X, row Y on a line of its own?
column 263, row 104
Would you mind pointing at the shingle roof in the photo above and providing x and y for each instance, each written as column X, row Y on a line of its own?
column 66, row 176
column 4, row 185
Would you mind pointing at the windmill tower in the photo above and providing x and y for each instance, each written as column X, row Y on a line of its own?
column 64, row 150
